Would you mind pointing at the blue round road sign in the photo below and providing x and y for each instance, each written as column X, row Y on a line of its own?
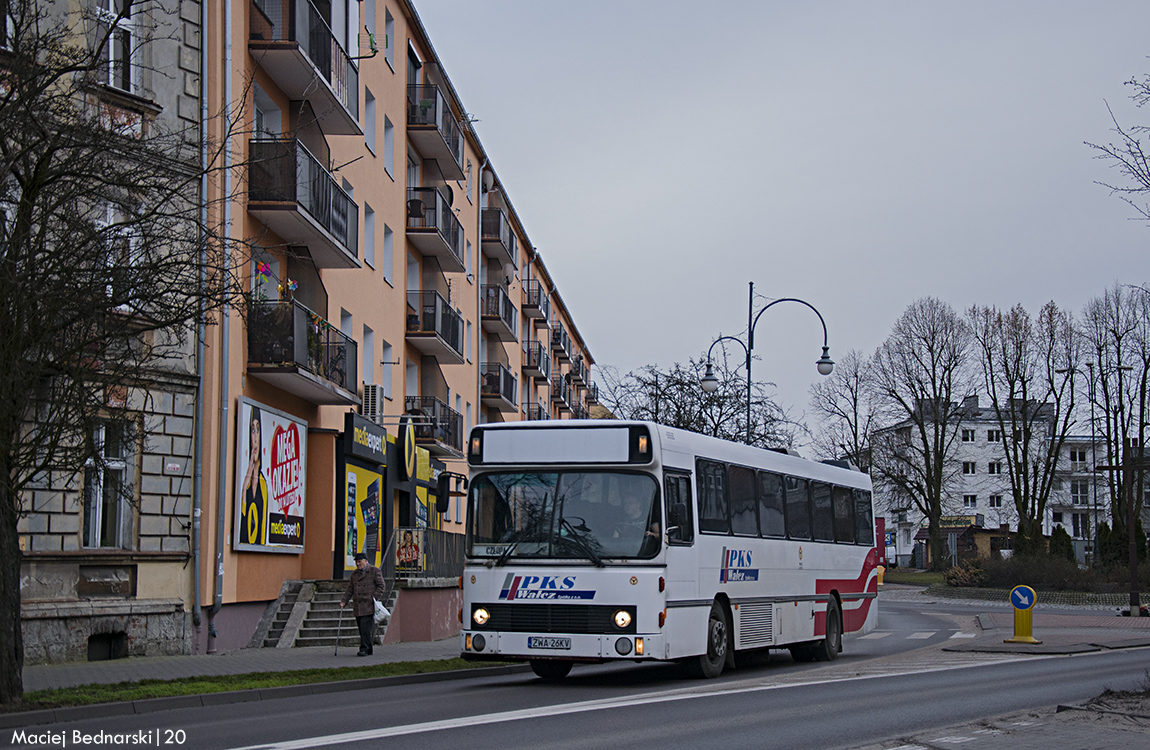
column 1022, row 597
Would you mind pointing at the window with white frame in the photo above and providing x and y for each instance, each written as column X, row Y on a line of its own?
column 387, row 360
column 1079, row 492
column 388, row 248
column 368, row 235
column 369, row 119
column 968, row 436
column 1079, row 460
column 994, row 501
column 968, row 467
column 970, row 501
column 994, row 436
column 994, row 467
column 388, row 146
column 1081, row 525
column 118, row 31
column 389, row 39
column 107, row 490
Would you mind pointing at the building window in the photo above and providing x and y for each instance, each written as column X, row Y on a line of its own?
column 369, row 119
column 389, row 39
column 970, row 501
column 968, row 436
column 994, row 501
column 388, row 247
column 106, row 489
column 1079, row 492
column 368, row 355
column 1080, row 524
column 994, row 467
column 385, row 355
column 1079, row 461
column 968, row 467
column 118, row 66
column 1056, row 518
column 369, row 235
column 994, row 436
column 388, row 146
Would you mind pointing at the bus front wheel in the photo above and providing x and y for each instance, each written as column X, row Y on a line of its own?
column 711, row 663
column 550, row 670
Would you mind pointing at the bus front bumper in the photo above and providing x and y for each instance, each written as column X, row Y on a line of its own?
column 479, row 645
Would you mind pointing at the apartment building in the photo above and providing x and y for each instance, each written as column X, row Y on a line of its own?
column 394, row 301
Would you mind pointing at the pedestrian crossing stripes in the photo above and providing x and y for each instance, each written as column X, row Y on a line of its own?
column 919, row 636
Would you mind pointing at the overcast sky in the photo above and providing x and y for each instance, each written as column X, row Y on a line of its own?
column 858, row 155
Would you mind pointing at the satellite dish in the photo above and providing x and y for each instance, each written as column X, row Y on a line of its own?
column 448, row 195
column 509, row 271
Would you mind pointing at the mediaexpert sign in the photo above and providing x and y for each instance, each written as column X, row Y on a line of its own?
column 271, row 477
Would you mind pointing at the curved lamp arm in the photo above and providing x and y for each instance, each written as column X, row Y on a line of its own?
column 825, row 364
column 709, row 382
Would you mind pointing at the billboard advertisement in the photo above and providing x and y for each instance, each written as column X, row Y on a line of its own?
column 363, row 511
column 271, row 477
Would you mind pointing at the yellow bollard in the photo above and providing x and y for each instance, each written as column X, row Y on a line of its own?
column 1023, row 598
column 880, row 570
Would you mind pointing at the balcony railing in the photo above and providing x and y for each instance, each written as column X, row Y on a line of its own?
column 535, row 303
column 535, row 412
column 578, row 411
column 497, row 384
column 439, row 423
column 433, row 228
column 536, row 360
column 591, row 395
column 499, row 317
column 560, row 391
column 498, row 240
column 432, row 127
column 273, row 22
column 285, row 333
column 560, row 342
column 580, row 373
column 286, row 172
column 433, row 326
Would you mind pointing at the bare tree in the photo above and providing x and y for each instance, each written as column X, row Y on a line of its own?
column 106, row 264
column 1129, row 154
column 921, row 377
column 1116, row 327
column 674, row 397
column 1027, row 369
column 844, row 402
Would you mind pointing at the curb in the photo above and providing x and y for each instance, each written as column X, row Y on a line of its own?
column 151, row 705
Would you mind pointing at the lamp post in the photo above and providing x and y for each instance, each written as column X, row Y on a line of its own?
column 710, row 383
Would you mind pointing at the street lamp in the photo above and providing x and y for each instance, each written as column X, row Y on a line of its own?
column 710, row 383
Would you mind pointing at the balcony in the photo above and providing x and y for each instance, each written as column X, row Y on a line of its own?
column 560, row 392
column 438, row 427
column 299, row 352
column 498, row 387
column 498, row 240
column 298, row 199
column 433, row 228
column 560, row 343
column 499, row 318
column 591, row 394
column 578, row 411
column 580, row 374
column 434, row 328
column 291, row 40
column 432, row 128
column 537, row 413
column 536, row 361
column 535, row 303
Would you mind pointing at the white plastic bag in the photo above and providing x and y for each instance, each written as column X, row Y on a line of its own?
column 381, row 612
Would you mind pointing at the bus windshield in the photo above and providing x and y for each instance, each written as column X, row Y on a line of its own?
column 564, row 515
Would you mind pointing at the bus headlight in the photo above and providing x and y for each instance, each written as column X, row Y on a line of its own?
column 622, row 618
column 481, row 616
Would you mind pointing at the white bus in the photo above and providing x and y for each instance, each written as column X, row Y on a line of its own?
column 591, row 541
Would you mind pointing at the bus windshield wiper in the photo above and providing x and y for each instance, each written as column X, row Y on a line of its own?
column 506, row 553
column 578, row 537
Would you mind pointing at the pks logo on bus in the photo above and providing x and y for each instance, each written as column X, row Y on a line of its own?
column 737, row 566
column 541, row 587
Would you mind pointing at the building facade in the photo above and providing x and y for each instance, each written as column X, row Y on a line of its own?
column 394, row 300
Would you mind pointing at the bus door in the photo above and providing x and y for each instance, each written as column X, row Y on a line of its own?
column 682, row 566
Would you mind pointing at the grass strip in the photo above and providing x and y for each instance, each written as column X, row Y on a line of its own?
column 84, row 695
column 912, row 577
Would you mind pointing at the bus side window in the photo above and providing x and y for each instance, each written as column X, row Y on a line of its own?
column 864, row 519
column 681, row 523
column 771, row 519
column 744, row 518
column 844, row 515
column 712, row 497
column 823, row 516
column 798, row 509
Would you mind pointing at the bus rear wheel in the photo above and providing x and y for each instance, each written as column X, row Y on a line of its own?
column 829, row 647
column 711, row 663
column 548, row 669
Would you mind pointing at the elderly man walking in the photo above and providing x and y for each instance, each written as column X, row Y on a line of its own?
column 365, row 586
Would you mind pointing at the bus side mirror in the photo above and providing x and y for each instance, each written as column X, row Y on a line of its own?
column 442, row 490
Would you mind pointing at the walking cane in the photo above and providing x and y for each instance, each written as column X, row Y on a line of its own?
column 338, row 630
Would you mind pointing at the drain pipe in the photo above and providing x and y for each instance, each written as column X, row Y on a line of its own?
column 478, row 258
column 201, row 328
column 225, row 419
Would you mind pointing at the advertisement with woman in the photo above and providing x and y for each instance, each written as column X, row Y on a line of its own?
column 364, row 515
column 271, row 476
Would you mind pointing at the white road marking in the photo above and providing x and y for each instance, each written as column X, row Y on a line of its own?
column 921, row 636
column 874, row 636
column 965, row 635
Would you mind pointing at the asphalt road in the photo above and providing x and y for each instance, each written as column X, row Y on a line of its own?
column 891, row 683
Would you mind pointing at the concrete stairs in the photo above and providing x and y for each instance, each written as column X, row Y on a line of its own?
column 307, row 613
